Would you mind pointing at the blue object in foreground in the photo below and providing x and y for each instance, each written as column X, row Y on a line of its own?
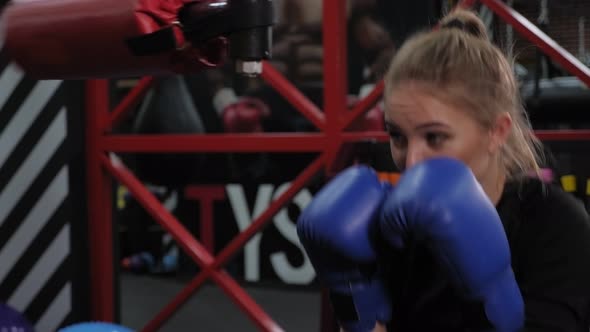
column 95, row 327
column 12, row 320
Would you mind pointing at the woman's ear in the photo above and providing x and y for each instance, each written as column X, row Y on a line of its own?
column 500, row 131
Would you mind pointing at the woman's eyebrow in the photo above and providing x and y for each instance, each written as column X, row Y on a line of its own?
column 391, row 126
column 431, row 124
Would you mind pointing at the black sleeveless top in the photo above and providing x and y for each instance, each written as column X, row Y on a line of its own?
column 549, row 235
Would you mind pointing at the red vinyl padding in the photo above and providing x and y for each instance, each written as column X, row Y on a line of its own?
column 81, row 39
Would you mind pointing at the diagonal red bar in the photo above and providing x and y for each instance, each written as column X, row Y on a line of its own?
column 259, row 142
column 180, row 299
column 369, row 101
column 245, row 302
column 293, row 95
column 531, row 32
column 131, row 100
column 230, row 287
column 153, row 206
column 237, row 243
column 187, row 242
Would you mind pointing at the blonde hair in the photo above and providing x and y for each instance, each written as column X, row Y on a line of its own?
column 459, row 64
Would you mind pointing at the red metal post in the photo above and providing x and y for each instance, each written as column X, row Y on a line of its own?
column 335, row 61
column 531, row 32
column 132, row 99
column 335, row 73
column 99, row 188
column 293, row 95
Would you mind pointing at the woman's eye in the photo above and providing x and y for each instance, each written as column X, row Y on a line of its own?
column 435, row 140
column 398, row 140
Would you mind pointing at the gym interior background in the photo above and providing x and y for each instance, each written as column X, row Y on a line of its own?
column 45, row 266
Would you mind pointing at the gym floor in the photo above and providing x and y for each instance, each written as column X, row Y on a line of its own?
column 142, row 297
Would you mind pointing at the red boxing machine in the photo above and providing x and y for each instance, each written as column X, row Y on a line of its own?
column 87, row 39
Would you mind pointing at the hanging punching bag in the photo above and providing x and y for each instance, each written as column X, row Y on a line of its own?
column 80, row 39
column 168, row 109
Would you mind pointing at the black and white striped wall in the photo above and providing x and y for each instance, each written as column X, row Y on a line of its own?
column 43, row 272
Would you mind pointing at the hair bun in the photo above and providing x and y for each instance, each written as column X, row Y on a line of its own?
column 465, row 21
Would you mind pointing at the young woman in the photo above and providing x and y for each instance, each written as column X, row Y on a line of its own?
column 451, row 93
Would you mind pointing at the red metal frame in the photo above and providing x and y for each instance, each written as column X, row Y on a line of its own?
column 531, row 32
column 131, row 100
column 296, row 142
column 99, row 204
column 332, row 123
column 293, row 95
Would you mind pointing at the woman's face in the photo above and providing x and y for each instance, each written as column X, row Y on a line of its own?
column 421, row 126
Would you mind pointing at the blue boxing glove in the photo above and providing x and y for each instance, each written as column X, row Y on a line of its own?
column 337, row 230
column 440, row 203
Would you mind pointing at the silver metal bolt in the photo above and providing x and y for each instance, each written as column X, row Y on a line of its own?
column 249, row 68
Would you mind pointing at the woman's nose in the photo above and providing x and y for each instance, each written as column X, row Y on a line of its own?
column 414, row 155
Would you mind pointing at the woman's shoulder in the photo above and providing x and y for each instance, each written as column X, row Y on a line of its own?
column 551, row 254
column 544, row 202
column 550, row 246
column 541, row 216
column 546, row 221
